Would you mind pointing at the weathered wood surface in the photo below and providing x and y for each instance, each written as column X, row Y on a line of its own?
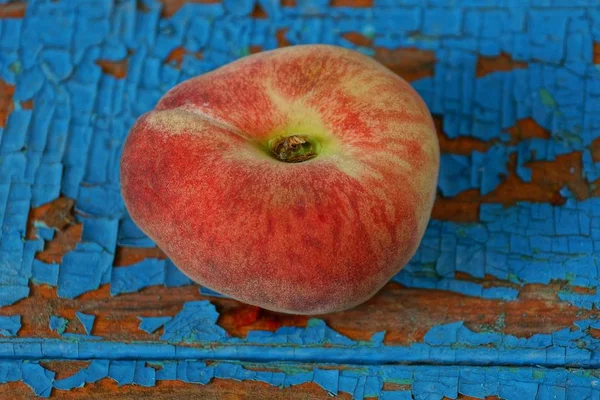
column 413, row 316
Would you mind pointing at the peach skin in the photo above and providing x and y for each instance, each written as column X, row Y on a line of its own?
column 299, row 180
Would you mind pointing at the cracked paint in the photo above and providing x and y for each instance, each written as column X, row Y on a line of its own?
column 75, row 91
column 193, row 333
column 76, row 163
column 421, row 382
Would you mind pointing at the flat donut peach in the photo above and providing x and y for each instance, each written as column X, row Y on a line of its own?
column 299, row 180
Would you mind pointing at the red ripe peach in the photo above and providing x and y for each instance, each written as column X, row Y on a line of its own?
column 299, row 180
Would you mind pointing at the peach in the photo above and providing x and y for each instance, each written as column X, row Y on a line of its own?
column 299, row 180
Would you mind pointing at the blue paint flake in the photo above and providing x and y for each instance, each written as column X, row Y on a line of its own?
column 58, row 324
column 44, row 233
column 328, row 379
column 98, row 369
column 10, row 325
column 447, row 344
column 38, row 378
column 73, row 280
column 138, row 276
column 194, row 372
column 151, row 324
column 443, row 334
column 174, row 277
column 196, row 322
column 43, row 273
column 526, row 243
column 123, row 372
column 316, row 332
column 144, row 375
column 86, row 320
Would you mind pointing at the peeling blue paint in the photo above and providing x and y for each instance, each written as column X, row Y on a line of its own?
column 70, row 142
column 58, row 324
column 421, row 382
column 73, row 280
column 98, row 369
column 128, row 372
column 87, row 156
column 152, row 324
column 86, row 320
column 37, row 378
column 196, row 322
column 524, row 244
column 43, row 273
column 10, row 325
column 44, row 233
column 135, row 277
column 193, row 333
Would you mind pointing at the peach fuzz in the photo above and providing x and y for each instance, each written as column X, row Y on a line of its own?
column 299, row 180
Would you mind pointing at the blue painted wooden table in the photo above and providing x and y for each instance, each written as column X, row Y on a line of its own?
column 500, row 300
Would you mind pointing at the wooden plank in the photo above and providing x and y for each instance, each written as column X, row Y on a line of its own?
column 317, row 381
column 219, row 389
column 405, row 314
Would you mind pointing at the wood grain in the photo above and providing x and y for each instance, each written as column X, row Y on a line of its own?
column 409, row 63
column 118, row 69
column 6, row 104
column 13, row 9
column 503, row 62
